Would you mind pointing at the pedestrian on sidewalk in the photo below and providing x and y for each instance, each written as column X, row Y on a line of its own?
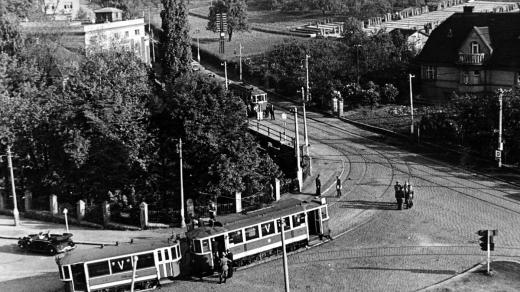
column 410, row 200
column 272, row 112
column 406, row 192
column 223, row 268
column 338, row 187
column 318, row 186
column 229, row 255
column 399, row 195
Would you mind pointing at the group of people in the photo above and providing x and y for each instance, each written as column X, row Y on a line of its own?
column 225, row 266
column 404, row 192
column 338, row 186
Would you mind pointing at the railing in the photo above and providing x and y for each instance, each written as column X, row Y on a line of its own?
column 472, row 59
column 284, row 138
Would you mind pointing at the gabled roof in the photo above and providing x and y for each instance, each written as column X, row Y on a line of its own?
column 483, row 33
column 502, row 34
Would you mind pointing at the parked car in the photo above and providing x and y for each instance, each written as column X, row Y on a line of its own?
column 47, row 243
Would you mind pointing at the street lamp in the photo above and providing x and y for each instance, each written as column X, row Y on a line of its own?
column 410, row 76
column 6, row 142
column 225, row 72
column 198, row 45
column 240, row 58
column 65, row 211
column 179, row 150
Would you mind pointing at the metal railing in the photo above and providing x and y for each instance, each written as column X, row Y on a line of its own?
column 276, row 134
column 473, row 59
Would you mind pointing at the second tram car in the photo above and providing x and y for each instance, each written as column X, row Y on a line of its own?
column 254, row 98
column 111, row 268
column 256, row 235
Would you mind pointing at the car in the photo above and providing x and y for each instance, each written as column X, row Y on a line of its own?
column 50, row 244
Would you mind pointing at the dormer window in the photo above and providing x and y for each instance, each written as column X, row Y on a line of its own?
column 475, row 48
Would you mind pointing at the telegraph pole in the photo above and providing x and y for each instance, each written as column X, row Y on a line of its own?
column 307, row 76
column 16, row 214
column 198, row 45
column 240, row 56
column 299, row 175
column 357, row 63
column 225, row 73
column 500, row 143
column 306, row 137
column 183, row 224
column 410, row 76
column 285, row 266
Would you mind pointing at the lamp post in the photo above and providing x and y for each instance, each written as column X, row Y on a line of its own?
column 299, row 174
column 410, row 76
column 240, row 58
column 198, row 45
column 305, row 135
column 65, row 211
column 179, row 150
column 5, row 141
column 225, row 72
column 500, row 142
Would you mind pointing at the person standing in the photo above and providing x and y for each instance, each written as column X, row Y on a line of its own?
column 229, row 255
column 410, row 200
column 406, row 192
column 223, row 268
column 397, row 188
column 338, row 187
column 272, row 112
column 318, row 186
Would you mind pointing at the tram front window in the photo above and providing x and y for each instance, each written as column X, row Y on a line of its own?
column 78, row 277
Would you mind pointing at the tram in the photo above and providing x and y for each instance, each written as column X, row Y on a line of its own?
column 254, row 98
column 114, row 268
column 256, row 235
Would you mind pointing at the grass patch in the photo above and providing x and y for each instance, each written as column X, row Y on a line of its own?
column 505, row 277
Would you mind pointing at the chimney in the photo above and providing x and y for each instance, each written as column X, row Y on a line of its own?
column 468, row 9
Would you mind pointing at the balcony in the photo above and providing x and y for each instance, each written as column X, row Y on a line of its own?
column 471, row 59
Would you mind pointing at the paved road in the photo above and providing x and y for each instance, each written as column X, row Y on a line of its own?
column 380, row 249
column 385, row 249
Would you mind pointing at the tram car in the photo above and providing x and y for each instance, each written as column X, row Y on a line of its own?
column 254, row 98
column 112, row 268
column 253, row 236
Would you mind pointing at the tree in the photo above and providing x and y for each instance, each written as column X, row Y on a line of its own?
column 236, row 11
column 389, row 93
column 175, row 39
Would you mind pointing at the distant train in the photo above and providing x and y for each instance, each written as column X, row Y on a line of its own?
column 111, row 268
column 254, row 98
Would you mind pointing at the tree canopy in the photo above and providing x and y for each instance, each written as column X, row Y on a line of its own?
column 236, row 12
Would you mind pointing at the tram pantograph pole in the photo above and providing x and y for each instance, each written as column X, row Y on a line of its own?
column 285, row 266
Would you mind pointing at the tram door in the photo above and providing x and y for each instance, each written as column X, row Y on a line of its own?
column 164, row 262
column 314, row 222
column 78, row 277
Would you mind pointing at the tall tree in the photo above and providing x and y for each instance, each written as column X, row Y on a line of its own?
column 236, row 11
column 175, row 39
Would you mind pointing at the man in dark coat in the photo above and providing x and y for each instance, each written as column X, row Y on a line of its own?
column 318, row 186
column 399, row 195
column 338, row 187
column 229, row 255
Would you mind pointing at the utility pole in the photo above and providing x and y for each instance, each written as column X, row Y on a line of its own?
column 240, row 56
column 225, row 73
column 299, row 175
column 198, row 45
column 5, row 141
column 410, row 76
column 500, row 143
column 305, row 134
column 307, row 76
column 179, row 149
column 285, row 266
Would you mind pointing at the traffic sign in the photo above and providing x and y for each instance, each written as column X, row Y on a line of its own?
column 498, row 153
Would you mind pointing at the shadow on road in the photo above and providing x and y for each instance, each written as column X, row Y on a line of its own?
column 46, row 282
column 419, row 271
column 369, row 205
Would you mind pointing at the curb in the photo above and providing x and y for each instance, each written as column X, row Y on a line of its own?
column 9, row 237
column 456, row 277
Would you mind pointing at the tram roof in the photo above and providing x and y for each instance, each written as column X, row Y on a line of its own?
column 239, row 220
column 92, row 254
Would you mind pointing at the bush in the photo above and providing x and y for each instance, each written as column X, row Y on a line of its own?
column 388, row 93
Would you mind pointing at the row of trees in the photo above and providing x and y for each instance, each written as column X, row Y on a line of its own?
column 104, row 123
column 333, row 64
column 470, row 121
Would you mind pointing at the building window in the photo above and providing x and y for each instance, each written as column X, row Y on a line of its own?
column 465, row 77
column 430, row 72
column 475, row 48
column 476, row 77
column 136, row 32
column 116, row 35
column 127, row 34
